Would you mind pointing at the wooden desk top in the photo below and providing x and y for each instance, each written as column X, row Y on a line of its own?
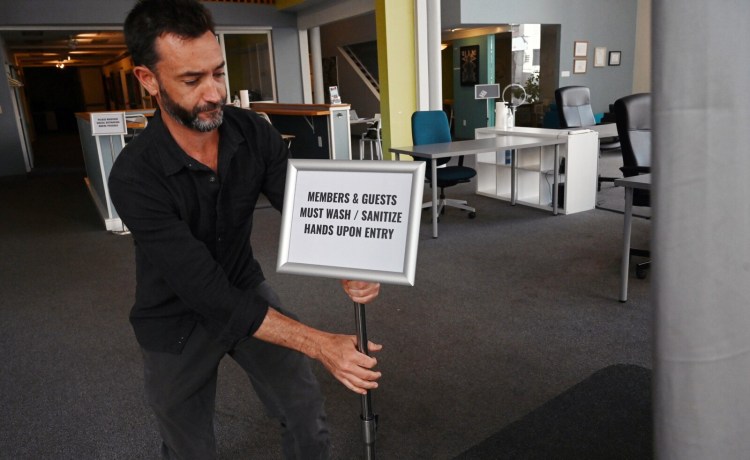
column 273, row 108
column 87, row 115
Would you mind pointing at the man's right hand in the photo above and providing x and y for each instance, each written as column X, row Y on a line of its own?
column 338, row 353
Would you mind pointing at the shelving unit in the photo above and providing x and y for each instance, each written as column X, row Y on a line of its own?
column 535, row 168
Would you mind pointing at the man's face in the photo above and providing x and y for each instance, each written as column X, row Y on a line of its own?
column 190, row 76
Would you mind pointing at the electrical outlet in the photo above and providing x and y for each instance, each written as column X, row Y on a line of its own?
column 1, row 109
column 464, row 122
column 565, row 73
column 320, row 141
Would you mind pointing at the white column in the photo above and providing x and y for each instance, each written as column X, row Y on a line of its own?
column 304, row 52
column 317, row 64
column 423, row 72
column 701, row 255
column 435, row 71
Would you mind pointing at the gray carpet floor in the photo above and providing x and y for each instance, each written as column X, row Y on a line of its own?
column 509, row 311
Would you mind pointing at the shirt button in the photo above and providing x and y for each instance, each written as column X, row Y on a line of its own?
column 219, row 239
column 212, row 179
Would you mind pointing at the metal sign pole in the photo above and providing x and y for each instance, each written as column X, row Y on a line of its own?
column 369, row 420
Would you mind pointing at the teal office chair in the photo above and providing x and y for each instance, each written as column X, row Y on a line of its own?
column 431, row 127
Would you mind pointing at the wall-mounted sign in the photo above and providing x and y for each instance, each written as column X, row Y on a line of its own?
column 108, row 123
column 352, row 219
column 487, row 91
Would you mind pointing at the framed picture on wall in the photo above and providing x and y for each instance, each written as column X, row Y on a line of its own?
column 600, row 56
column 614, row 58
column 580, row 49
column 469, row 58
column 579, row 65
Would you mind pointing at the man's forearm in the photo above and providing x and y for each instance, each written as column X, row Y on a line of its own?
column 286, row 332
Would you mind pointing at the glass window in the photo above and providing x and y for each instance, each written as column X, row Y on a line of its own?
column 249, row 58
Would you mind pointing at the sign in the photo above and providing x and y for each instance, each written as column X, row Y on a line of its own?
column 352, row 219
column 486, row 91
column 334, row 93
column 106, row 123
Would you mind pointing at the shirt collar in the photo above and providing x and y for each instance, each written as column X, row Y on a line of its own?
column 172, row 156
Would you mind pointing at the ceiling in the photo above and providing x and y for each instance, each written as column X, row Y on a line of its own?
column 36, row 48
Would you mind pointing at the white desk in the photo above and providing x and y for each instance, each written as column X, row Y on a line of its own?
column 642, row 181
column 474, row 147
column 605, row 130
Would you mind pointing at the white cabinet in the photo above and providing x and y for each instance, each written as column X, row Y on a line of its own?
column 534, row 172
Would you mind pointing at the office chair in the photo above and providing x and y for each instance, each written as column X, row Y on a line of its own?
column 633, row 115
column 574, row 111
column 431, row 127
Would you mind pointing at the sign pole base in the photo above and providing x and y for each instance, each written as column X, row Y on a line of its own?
column 369, row 420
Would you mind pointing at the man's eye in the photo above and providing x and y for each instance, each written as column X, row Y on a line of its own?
column 191, row 82
column 219, row 75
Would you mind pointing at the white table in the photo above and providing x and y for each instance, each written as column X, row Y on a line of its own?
column 642, row 181
column 474, row 147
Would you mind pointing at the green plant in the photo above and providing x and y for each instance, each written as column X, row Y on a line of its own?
column 532, row 88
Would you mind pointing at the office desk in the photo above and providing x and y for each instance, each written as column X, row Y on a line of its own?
column 642, row 181
column 605, row 130
column 474, row 147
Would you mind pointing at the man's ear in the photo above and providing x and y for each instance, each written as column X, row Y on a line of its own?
column 147, row 79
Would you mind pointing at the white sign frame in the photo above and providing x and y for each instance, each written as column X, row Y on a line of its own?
column 108, row 123
column 361, row 253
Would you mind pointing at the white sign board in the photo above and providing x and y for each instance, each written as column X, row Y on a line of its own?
column 352, row 219
column 108, row 123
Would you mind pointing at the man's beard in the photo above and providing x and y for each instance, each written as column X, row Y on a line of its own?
column 191, row 119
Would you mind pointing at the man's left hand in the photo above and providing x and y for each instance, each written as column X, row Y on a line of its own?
column 361, row 291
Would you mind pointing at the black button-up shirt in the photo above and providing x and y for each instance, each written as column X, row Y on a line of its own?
column 191, row 228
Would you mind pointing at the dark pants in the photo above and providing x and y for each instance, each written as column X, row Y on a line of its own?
column 181, row 389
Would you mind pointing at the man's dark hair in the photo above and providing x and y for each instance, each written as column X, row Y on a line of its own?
column 150, row 19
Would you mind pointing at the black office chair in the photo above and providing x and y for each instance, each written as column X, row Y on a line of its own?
column 574, row 110
column 431, row 127
column 633, row 115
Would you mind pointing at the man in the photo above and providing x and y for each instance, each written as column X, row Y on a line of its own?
column 186, row 188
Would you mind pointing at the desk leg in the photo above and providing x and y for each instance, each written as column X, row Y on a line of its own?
column 556, row 179
column 625, row 265
column 513, row 178
column 434, row 186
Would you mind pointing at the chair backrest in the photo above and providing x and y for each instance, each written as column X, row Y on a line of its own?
column 633, row 118
column 574, row 107
column 430, row 127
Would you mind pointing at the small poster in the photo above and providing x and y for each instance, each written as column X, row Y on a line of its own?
column 108, row 123
column 335, row 98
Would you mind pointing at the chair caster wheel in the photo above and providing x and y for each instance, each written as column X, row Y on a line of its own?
column 472, row 215
column 640, row 273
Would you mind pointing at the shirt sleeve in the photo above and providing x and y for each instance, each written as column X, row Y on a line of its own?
column 187, row 266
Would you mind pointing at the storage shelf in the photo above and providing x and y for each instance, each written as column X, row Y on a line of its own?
column 535, row 170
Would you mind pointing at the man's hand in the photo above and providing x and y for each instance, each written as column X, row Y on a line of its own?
column 361, row 291
column 340, row 356
column 338, row 353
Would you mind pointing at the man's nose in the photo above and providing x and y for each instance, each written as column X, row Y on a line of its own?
column 213, row 92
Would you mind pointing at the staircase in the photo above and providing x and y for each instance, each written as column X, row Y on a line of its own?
column 369, row 80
